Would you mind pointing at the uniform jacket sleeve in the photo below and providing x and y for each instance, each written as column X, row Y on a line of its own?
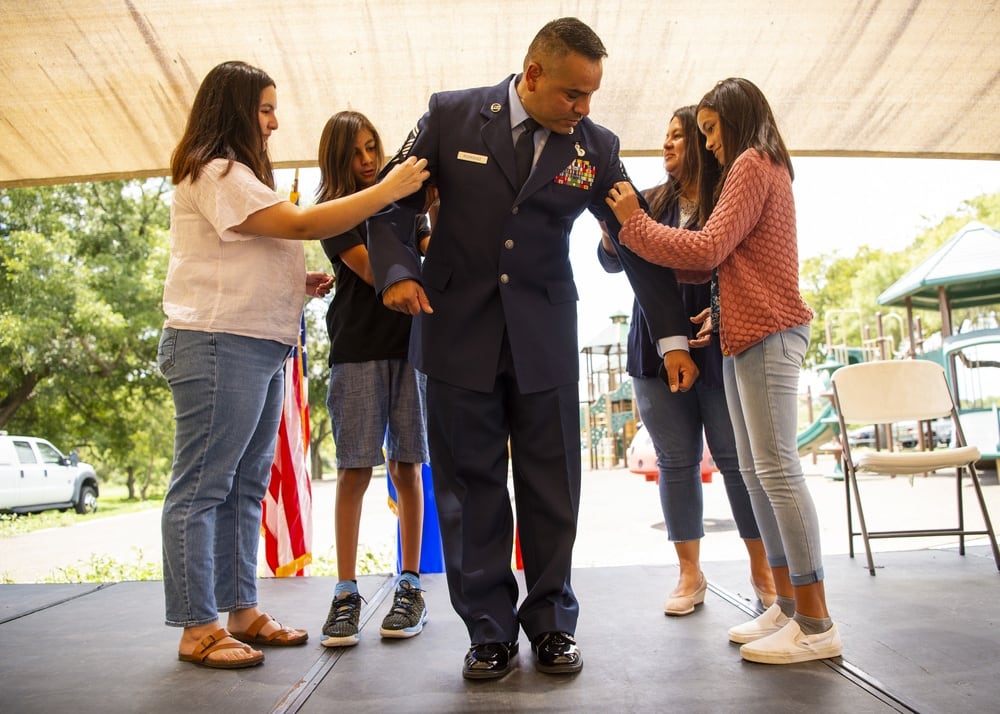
column 655, row 286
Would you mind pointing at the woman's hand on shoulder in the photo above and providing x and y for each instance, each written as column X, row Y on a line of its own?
column 405, row 178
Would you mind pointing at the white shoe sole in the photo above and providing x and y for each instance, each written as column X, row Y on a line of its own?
column 405, row 633
column 766, row 657
column 348, row 641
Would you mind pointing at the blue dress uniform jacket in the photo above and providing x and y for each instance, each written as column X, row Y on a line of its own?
column 498, row 258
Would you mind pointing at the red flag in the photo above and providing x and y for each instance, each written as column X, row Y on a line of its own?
column 288, row 504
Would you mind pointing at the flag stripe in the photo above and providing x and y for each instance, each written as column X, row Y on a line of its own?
column 287, row 522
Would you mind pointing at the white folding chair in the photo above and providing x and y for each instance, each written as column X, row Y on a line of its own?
column 893, row 391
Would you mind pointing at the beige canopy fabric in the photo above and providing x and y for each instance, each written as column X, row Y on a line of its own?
column 97, row 89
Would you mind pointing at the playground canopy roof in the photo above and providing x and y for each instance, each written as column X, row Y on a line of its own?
column 967, row 268
column 612, row 339
column 101, row 89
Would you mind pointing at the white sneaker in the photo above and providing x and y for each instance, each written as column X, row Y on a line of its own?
column 789, row 645
column 770, row 622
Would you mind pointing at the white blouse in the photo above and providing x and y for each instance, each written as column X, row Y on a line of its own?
column 219, row 280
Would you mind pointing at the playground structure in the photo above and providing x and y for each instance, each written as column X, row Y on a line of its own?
column 962, row 273
column 959, row 355
column 822, row 433
column 608, row 419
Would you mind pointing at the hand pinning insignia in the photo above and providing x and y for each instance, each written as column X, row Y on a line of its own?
column 402, row 154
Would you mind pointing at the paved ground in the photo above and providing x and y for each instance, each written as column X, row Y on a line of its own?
column 620, row 523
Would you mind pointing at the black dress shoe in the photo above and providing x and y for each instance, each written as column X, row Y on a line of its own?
column 556, row 653
column 489, row 661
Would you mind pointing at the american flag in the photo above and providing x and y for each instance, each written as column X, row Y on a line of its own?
column 288, row 504
column 287, row 518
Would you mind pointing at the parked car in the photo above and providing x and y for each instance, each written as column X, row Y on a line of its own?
column 36, row 476
column 640, row 458
column 904, row 433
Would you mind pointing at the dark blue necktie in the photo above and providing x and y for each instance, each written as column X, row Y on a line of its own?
column 524, row 150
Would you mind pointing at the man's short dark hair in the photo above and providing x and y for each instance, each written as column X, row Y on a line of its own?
column 567, row 34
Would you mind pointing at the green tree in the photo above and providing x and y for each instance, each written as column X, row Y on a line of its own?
column 81, row 273
column 40, row 288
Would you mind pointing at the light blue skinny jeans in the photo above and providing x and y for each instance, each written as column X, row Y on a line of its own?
column 675, row 422
column 228, row 392
column 762, row 388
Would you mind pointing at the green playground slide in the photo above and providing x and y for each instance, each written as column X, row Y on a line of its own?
column 810, row 439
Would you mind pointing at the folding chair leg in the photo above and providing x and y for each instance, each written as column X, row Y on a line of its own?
column 853, row 478
column 961, row 512
column 850, row 520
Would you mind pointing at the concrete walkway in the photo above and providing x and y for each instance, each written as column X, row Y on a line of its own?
column 621, row 523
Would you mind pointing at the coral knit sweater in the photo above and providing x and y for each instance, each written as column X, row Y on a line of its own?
column 750, row 237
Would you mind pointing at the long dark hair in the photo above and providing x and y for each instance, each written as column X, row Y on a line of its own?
column 660, row 197
column 746, row 122
column 224, row 124
column 336, row 154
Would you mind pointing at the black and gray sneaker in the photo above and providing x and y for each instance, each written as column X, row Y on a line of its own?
column 341, row 628
column 408, row 613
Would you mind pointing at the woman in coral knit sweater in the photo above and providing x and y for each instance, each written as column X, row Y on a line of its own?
column 680, row 423
column 749, row 235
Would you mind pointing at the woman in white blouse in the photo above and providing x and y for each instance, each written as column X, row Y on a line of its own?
column 233, row 298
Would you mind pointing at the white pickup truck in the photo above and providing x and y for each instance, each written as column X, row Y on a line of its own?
column 36, row 476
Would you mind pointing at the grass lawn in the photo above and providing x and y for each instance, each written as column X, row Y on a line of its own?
column 113, row 501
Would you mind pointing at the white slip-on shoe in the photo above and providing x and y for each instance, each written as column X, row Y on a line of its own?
column 770, row 622
column 788, row 645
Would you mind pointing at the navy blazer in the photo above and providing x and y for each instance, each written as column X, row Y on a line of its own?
column 498, row 259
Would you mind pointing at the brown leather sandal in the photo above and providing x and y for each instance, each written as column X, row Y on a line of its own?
column 282, row 637
column 216, row 642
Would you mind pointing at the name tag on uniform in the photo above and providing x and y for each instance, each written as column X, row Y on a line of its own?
column 474, row 158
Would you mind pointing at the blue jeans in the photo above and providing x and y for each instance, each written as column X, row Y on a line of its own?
column 762, row 387
column 228, row 392
column 675, row 422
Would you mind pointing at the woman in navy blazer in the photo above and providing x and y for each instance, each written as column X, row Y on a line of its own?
column 496, row 334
